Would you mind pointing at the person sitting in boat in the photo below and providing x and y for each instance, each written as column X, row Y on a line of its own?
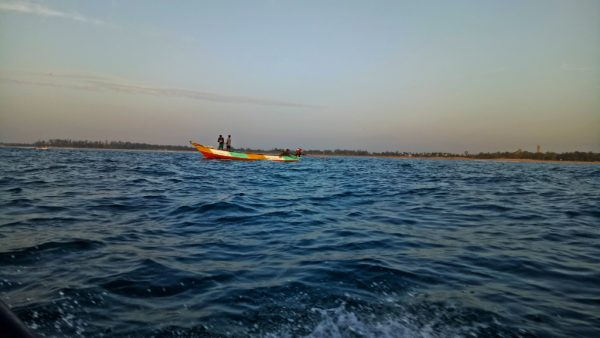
column 285, row 153
column 221, row 141
column 298, row 152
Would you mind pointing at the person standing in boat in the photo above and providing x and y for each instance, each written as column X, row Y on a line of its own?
column 221, row 141
column 228, row 144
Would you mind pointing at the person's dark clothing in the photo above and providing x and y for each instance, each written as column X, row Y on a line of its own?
column 221, row 141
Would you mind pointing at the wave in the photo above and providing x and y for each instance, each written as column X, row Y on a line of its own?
column 46, row 250
column 219, row 206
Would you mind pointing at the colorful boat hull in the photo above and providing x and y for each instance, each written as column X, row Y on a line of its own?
column 212, row 153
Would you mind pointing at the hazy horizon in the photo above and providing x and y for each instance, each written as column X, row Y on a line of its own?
column 379, row 76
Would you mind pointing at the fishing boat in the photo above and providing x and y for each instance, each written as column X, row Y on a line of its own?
column 212, row 153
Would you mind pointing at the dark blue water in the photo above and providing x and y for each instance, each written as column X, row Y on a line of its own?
column 112, row 243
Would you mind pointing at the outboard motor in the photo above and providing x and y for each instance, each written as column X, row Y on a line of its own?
column 298, row 152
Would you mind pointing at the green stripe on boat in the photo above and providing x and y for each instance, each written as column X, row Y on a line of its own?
column 239, row 155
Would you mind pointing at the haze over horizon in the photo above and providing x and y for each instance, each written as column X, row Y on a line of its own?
column 383, row 75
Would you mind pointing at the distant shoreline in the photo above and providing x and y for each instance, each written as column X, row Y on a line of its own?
column 459, row 158
column 160, row 148
column 107, row 149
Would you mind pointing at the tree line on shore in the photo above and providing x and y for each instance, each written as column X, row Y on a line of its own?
column 517, row 155
column 547, row 156
column 66, row 143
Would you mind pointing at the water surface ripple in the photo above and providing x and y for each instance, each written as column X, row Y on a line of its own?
column 139, row 244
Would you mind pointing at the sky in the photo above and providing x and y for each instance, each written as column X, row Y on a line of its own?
column 448, row 76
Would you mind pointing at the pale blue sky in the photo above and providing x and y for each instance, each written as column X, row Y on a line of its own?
column 375, row 75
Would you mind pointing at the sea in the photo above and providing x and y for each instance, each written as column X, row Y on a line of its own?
column 98, row 243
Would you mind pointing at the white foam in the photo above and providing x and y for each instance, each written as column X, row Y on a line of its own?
column 340, row 323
